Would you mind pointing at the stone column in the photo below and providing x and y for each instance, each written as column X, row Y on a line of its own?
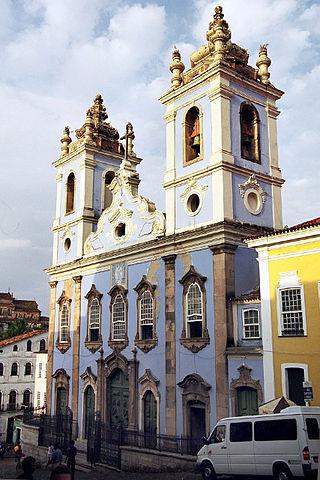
column 170, row 345
column 133, row 392
column 76, row 348
column 53, row 300
column 224, row 288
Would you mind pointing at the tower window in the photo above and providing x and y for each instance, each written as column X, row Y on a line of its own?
column 108, row 197
column 193, row 203
column 250, row 141
column 192, row 136
column 70, row 193
column 67, row 244
column 120, row 230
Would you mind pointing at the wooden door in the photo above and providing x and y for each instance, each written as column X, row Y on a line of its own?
column 247, row 401
column 119, row 397
column 89, row 407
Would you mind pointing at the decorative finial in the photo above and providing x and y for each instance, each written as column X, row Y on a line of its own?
column 65, row 141
column 131, row 137
column 263, row 64
column 218, row 34
column 128, row 149
column 176, row 68
column 89, row 126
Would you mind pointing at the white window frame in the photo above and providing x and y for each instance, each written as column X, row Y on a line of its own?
column 289, row 281
column 94, row 325
column 146, row 321
column 64, row 327
column 187, row 314
column 40, row 370
column 120, row 322
column 284, row 376
column 253, row 324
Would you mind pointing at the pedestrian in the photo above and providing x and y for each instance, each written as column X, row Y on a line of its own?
column 61, row 472
column 28, row 466
column 71, row 458
column 50, row 454
column 18, row 454
column 56, row 456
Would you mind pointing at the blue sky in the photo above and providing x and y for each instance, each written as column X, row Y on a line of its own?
column 55, row 55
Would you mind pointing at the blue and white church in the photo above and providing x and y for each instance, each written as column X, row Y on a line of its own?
column 155, row 316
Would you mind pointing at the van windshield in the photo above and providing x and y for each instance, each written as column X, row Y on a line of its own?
column 218, row 435
column 312, row 428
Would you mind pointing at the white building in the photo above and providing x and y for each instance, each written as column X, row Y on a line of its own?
column 20, row 359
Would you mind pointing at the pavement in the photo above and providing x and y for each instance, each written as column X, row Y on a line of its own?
column 8, row 471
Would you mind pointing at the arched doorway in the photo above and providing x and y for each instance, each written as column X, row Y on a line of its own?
column 118, row 396
column 150, row 419
column 61, row 407
column 88, row 408
column 247, row 401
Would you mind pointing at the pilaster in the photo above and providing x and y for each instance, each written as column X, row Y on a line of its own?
column 133, row 374
column 170, row 345
column 100, row 385
column 224, row 288
column 76, row 346
column 52, row 314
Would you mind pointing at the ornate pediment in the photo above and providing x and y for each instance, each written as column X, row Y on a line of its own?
column 88, row 376
column 194, row 382
column 61, row 373
column 148, row 377
column 144, row 283
column 93, row 292
column 192, row 274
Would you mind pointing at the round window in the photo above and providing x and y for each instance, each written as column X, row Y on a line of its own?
column 193, row 203
column 120, row 230
column 253, row 201
column 67, row 244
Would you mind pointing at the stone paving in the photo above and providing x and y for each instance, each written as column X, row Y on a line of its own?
column 8, row 471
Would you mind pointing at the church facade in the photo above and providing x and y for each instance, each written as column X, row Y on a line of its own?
column 155, row 317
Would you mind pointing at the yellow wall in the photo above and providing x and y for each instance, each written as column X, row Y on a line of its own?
column 304, row 259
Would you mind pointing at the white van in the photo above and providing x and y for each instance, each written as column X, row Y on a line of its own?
column 282, row 445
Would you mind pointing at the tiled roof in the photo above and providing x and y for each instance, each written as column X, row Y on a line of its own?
column 314, row 222
column 26, row 305
column 251, row 295
column 18, row 338
column 5, row 296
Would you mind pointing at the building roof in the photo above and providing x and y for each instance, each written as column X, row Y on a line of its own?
column 251, row 295
column 19, row 338
column 308, row 224
column 26, row 305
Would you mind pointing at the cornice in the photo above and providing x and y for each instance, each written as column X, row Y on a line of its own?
column 198, row 238
column 227, row 167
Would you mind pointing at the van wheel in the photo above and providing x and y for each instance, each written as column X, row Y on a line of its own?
column 282, row 472
column 207, row 471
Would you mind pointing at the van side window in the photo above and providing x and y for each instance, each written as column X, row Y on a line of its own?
column 219, row 434
column 274, row 430
column 312, row 428
column 241, row 432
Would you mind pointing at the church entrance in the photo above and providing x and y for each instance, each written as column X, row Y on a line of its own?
column 118, row 399
column 88, row 408
column 197, row 424
column 247, row 401
column 61, row 407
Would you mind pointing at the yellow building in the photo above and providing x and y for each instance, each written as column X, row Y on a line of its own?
column 289, row 263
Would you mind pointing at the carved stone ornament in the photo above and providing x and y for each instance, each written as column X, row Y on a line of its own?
column 119, row 275
column 147, row 377
column 147, row 344
column 253, row 195
column 193, row 188
column 88, row 376
column 244, row 380
column 195, row 344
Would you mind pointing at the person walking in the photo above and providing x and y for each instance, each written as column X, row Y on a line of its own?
column 71, row 458
column 56, row 456
column 50, row 455
column 28, row 465
column 18, row 454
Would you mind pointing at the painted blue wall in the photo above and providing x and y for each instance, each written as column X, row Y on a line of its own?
column 246, row 270
column 205, row 214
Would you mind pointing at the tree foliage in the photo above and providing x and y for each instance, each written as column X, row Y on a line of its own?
column 17, row 327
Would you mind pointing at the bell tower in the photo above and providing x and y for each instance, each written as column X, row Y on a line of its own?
column 85, row 170
column 221, row 136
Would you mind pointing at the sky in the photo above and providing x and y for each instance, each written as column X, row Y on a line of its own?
column 56, row 55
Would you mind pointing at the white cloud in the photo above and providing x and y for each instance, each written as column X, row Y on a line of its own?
column 14, row 243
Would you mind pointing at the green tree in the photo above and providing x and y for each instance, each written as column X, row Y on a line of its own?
column 17, row 327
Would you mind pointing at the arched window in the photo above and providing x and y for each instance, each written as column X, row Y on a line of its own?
column 192, row 136
column 146, row 316
column 27, row 369
column 26, row 398
column 29, row 346
column 1, row 369
column 70, row 193
column 15, row 348
column 94, row 320
column 250, row 142
column 194, row 335
column 42, row 347
column 12, row 400
column 14, row 369
column 194, row 309
column 118, row 318
column 108, row 196
column 64, row 323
